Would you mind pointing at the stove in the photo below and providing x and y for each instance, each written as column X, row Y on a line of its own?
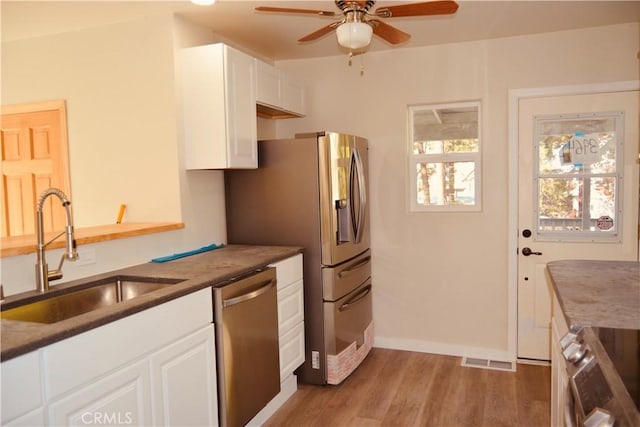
column 623, row 348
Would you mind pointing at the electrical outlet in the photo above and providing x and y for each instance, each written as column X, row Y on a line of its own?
column 87, row 256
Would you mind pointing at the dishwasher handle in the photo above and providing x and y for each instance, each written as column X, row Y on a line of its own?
column 265, row 286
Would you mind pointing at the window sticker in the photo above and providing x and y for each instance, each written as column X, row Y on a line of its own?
column 583, row 149
column 604, row 223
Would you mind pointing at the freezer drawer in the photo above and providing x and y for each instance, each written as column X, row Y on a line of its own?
column 342, row 279
column 347, row 319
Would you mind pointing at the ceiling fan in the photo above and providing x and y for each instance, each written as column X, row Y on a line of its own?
column 355, row 29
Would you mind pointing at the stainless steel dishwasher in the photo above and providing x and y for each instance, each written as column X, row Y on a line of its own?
column 246, row 324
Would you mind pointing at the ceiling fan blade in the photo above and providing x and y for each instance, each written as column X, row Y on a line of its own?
column 388, row 33
column 319, row 33
column 292, row 10
column 444, row 7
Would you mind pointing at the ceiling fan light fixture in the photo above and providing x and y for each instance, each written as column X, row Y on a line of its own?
column 354, row 35
column 203, row 2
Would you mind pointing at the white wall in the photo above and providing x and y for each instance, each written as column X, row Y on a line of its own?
column 120, row 112
column 440, row 280
column 141, row 166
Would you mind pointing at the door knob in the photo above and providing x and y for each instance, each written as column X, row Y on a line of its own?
column 528, row 251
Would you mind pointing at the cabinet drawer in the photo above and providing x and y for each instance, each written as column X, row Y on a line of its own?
column 288, row 271
column 290, row 307
column 291, row 350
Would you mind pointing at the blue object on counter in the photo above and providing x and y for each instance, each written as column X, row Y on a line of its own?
column 188, row 253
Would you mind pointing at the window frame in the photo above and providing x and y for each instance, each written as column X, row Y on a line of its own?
column 414, row 159
column 593, row 236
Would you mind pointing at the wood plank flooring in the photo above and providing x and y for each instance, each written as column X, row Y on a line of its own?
column 402, row 388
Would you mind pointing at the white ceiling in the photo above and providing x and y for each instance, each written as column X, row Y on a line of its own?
column 274, row 35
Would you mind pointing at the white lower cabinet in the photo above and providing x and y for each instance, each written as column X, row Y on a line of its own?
column 290, row 314
column 155, row 367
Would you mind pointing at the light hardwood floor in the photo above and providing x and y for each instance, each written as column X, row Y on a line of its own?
column 401, row 388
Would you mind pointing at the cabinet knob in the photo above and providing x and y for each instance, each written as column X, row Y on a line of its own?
column 575, row 352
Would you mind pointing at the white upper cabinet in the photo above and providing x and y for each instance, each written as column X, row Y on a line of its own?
column 278, row 95
column 268, row 85
column 294, row 96
column 220, row 128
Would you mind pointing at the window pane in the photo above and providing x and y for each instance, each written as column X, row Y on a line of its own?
column 603, row 191
column 576, row 204
column 461, row 146
column 577, row 145
column 427, row 147
column 560, row 207
column 445, row 183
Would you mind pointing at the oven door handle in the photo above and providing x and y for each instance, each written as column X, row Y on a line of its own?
column 357, row 297
column 569, row 408
column 249, row 295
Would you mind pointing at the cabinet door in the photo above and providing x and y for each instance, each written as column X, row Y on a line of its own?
column 293, row 98
column 268, row 87
column 21, row 386
column 291, row 350
column 121, row 398
column 185, row 381
column 242, row 133
column 290, row 307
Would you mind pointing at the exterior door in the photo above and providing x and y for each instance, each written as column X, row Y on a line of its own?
column 578, row 195
column 34, row 158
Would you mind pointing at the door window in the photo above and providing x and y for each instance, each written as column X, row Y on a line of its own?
column 578, row 176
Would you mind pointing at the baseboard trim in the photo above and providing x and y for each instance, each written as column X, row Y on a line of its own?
column 443, row 349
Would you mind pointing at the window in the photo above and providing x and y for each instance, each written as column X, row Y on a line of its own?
column 444, row 159
column 578, row 176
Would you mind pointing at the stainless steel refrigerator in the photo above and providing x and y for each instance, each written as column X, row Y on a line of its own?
column 312, row 191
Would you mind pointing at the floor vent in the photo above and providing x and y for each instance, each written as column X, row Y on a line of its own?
column 488, row 364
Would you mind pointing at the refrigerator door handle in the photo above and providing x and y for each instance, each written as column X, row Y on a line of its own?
column 357, row 173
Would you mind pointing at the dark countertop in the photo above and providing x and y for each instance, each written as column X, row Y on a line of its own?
column 603, row 294
column 213, row 268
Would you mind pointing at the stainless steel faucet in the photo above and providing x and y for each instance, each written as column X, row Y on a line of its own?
column 43, row 275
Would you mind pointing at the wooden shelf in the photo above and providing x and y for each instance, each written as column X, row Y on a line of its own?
column 23, row 245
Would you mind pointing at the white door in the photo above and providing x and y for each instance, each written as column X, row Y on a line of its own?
column 578, row 195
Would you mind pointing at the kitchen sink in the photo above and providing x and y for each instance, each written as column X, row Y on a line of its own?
column 91, row 296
